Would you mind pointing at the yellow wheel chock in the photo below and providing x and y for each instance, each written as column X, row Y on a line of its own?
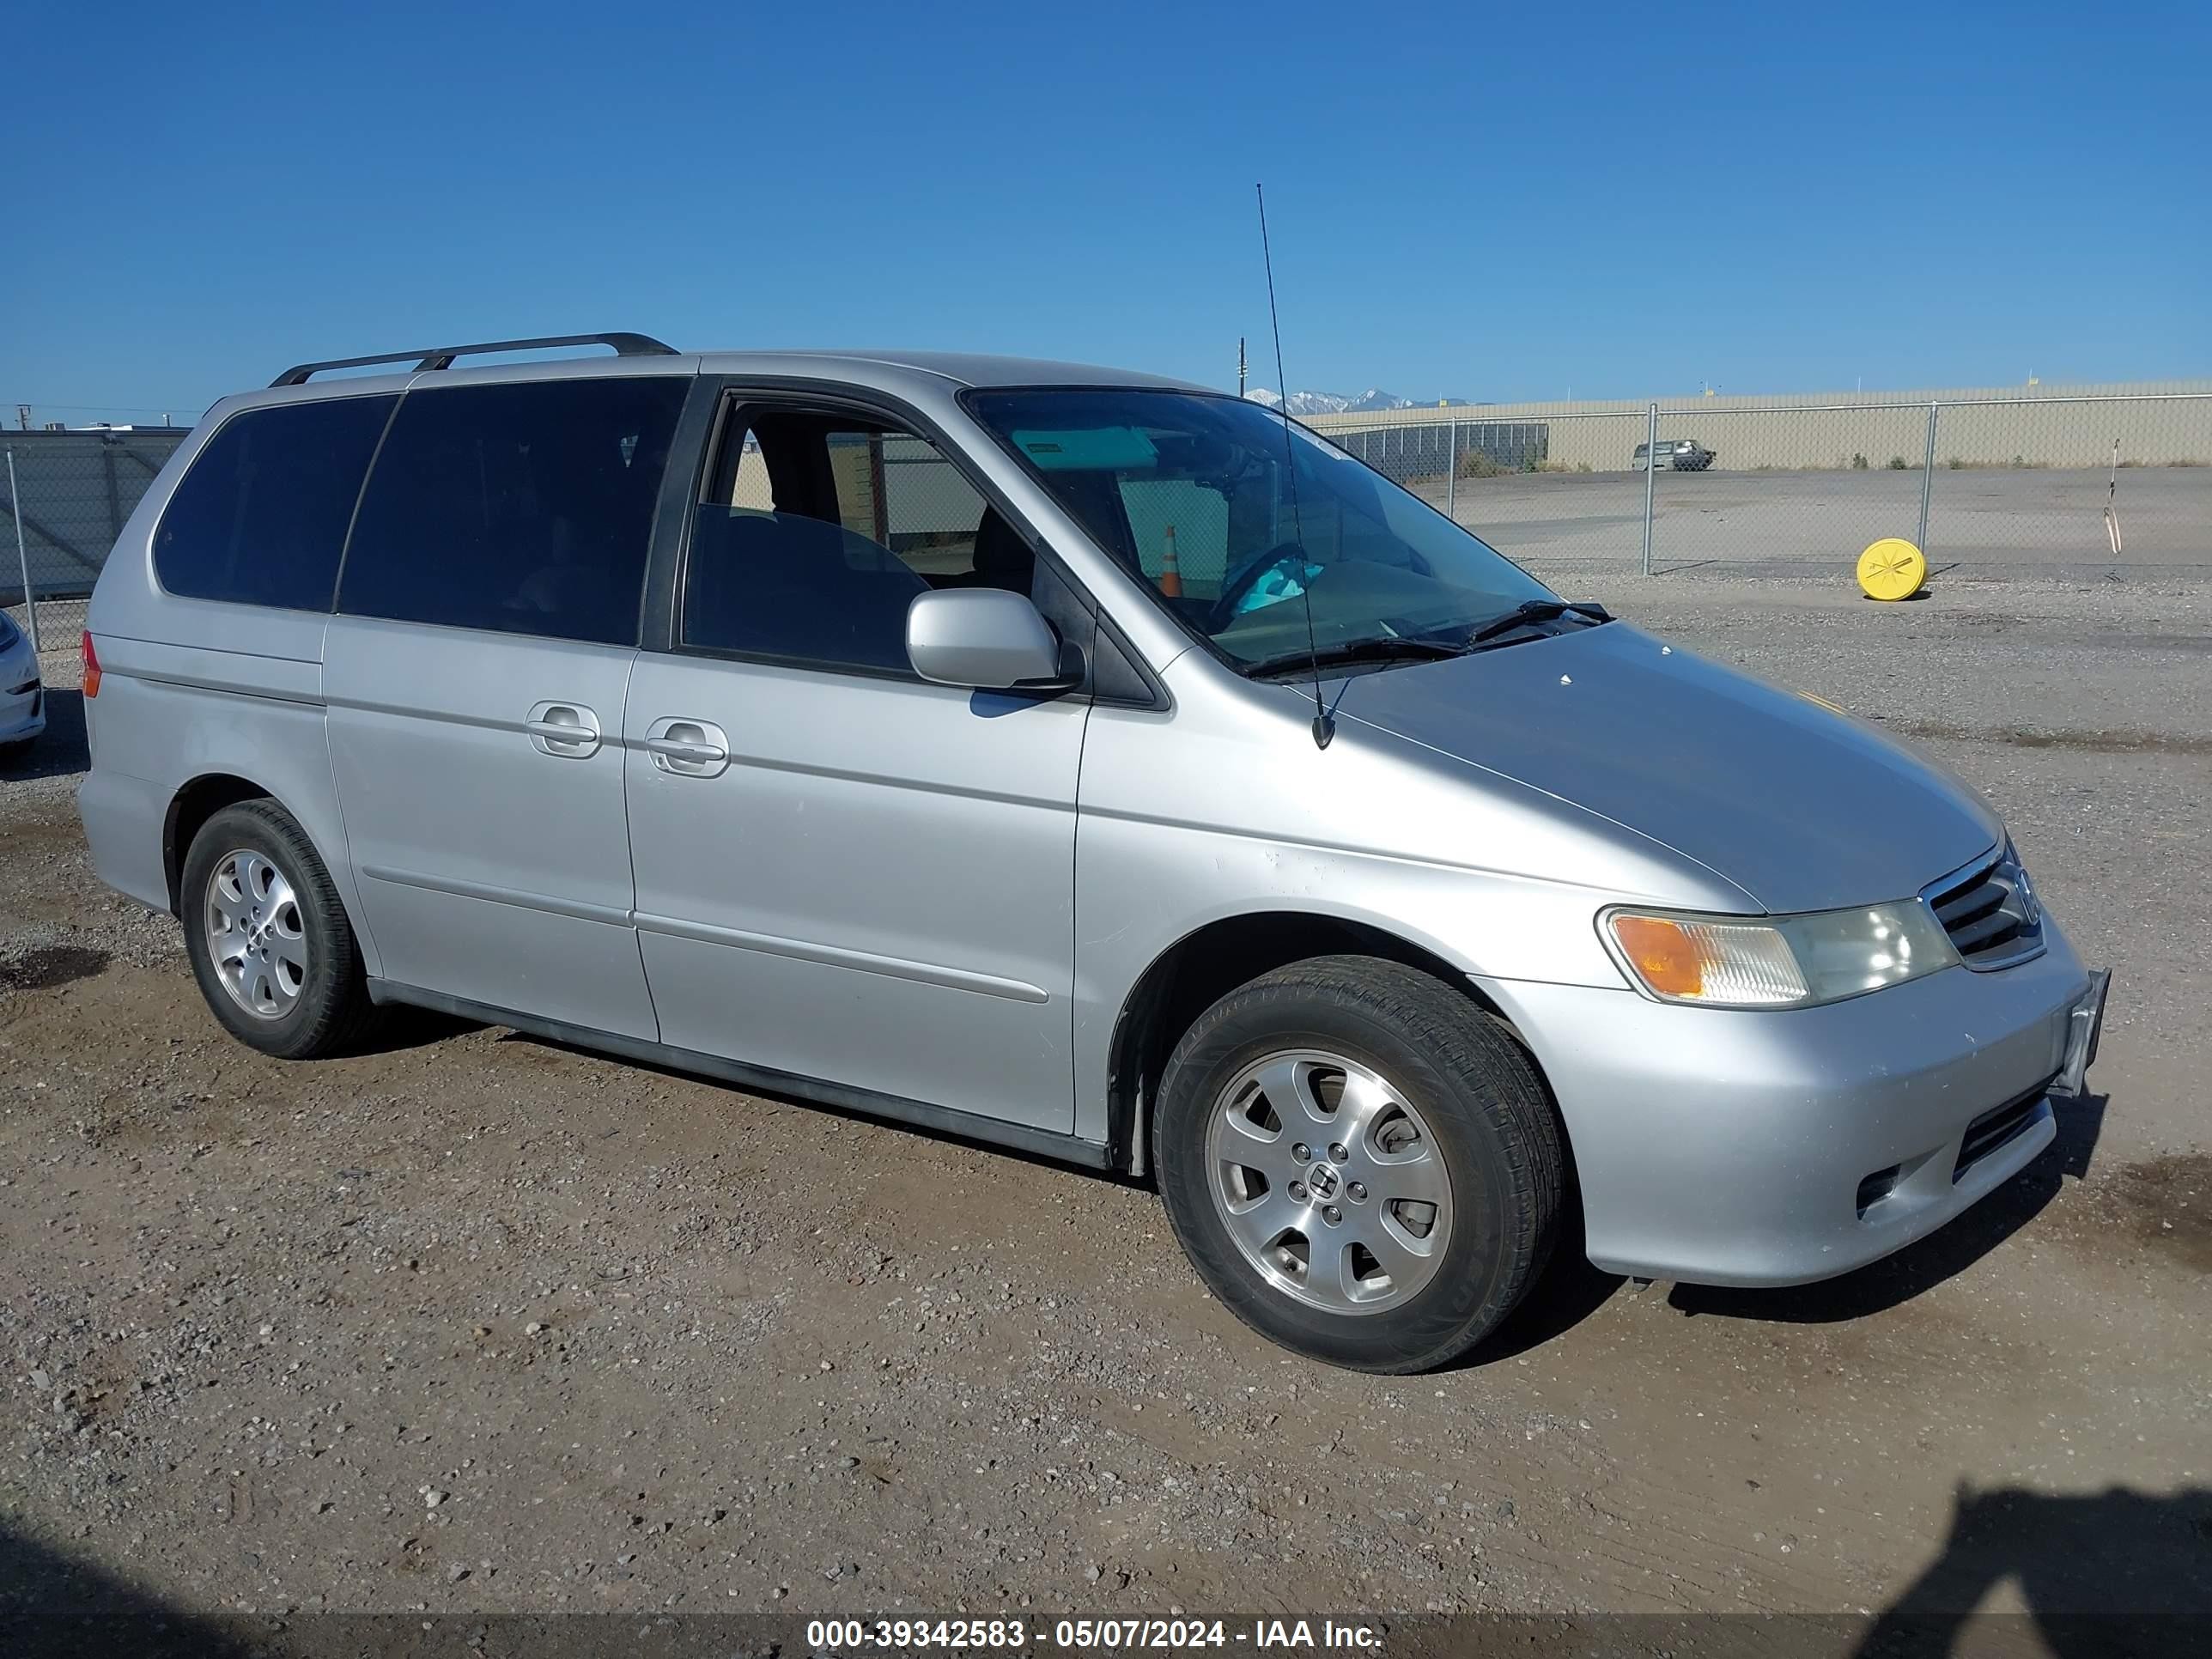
column 1892, row 568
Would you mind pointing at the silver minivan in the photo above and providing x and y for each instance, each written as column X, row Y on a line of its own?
column 1089, row 764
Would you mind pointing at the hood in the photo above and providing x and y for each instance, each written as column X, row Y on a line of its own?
column 1803, row 808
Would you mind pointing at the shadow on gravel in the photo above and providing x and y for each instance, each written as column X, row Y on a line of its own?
column 1568, row 1291
column 2104, row 1573
column 52, row 1608
column 62, row 749
column 1920, row 1267
column 56, row 964
column 943, row 1137
column 403, row 1026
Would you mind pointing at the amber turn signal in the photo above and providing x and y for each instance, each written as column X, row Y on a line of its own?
column 1662, row 953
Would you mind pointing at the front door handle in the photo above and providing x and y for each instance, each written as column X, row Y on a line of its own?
column 566, row 730
column 688, row 748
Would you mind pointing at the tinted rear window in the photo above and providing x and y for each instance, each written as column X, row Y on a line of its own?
column 261, row 516
column 523, row 509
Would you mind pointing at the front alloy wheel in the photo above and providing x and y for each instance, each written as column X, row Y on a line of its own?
column 1329, row 1181
column 1361, row 1162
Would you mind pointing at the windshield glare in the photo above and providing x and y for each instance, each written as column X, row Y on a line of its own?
column 1193, row 493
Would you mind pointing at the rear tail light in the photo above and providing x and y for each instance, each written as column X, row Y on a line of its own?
column 91, row 665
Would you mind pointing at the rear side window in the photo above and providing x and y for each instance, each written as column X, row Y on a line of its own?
column 522, row 509
column 261, row 516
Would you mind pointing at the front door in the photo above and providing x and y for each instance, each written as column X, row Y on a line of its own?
column 843, row 873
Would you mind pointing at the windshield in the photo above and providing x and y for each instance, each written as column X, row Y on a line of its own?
column 1194, row 493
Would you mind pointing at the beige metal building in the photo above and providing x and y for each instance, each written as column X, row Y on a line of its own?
column 2159, row 423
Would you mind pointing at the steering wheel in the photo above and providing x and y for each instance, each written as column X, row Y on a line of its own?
column 1239, row 581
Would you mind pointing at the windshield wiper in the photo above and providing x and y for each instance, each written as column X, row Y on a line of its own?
column 1537, row 611
column 1383, row 648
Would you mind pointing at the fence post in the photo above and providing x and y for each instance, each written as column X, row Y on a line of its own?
column 114, row 499
column 1451, row 473
column 1927, row 480
column 22, row 557
column 1650, row 472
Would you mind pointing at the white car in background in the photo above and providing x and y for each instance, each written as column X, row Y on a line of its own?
column 22, row 699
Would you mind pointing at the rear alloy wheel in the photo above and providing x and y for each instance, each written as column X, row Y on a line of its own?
column 256, row 936
column 1360, row 1162
column 270, row 943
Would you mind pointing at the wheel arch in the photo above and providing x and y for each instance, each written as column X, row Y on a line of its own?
column 1204, row 964
column 201, row 797
column 190, row 808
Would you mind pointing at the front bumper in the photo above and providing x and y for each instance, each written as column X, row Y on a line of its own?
column 23, row 715
column 1778, row 1147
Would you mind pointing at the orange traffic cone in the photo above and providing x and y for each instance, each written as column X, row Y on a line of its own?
column 1170, row 573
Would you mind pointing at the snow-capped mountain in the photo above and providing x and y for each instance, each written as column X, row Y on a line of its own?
column 1334, row 402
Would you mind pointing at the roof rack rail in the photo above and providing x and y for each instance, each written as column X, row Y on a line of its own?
column 625, row 345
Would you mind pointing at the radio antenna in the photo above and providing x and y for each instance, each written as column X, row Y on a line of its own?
column 1324, row 725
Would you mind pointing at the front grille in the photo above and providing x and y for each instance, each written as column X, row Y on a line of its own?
column 1991, row 916
column 1994, row 1128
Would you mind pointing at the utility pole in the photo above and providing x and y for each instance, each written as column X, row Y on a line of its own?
column 1240, row 365
column 23, row 416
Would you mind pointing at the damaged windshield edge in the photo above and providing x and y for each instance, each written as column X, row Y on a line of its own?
column 1190, row 492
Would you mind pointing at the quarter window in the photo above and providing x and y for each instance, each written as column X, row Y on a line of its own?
column 523, row 507
column 261, row 516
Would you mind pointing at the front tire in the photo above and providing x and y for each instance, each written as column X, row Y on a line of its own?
column 1361, row 1163
column 270, row 943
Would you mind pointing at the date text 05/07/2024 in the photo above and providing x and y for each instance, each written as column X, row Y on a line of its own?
column 832, row 1636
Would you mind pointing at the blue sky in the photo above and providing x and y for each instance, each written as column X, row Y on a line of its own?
column 1489, row 201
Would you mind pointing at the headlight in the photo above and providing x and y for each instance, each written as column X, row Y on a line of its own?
column 1778, row 961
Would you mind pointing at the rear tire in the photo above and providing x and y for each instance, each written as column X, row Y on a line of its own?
column 270, row 943
column 1399, row 1107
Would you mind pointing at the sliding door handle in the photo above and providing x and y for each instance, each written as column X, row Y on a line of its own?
column 566, row 730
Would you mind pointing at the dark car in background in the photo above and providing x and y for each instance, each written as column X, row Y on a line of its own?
column 1683, row 454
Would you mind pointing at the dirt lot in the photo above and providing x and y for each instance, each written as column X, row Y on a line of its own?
column 2047, row 523
column 472, row 1322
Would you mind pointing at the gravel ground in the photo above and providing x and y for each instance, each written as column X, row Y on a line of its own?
column 474, row 1323
column 1985, row 521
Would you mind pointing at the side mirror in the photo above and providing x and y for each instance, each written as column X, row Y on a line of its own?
column 987, row 639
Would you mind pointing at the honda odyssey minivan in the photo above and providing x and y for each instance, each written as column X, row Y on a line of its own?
column 1072, row 759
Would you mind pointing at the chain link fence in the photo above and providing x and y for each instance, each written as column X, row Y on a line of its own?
column 2053, row 486
column 64, row 497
